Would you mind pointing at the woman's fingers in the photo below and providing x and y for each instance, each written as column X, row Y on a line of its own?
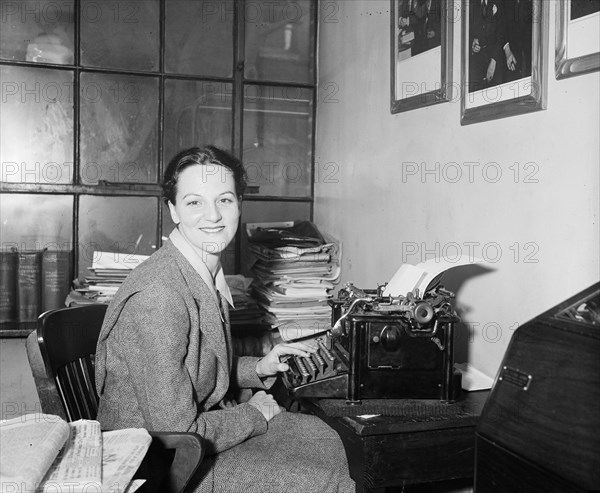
column 297, row 348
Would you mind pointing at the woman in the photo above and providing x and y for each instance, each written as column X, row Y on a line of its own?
column 164, row 359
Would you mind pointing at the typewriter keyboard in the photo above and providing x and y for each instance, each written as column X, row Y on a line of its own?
column 317, row 366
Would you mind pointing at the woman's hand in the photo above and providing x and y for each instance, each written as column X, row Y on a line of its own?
column 266, row 404
column 270, row 364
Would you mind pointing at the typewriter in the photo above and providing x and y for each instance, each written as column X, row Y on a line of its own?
column 381, row 347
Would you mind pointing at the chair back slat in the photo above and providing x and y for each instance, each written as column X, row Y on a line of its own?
column 67, row 379
column 89, row 383
column 78, row 393
column 64, row 397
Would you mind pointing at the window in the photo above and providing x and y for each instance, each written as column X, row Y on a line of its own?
column 97, row 96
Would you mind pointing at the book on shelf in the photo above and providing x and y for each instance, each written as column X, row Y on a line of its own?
column 32, row 282
column 44, row 453
column 56, row 278
column 8, row 285
column 29, row 285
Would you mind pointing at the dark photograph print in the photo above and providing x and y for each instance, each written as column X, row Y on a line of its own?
column 421, row 53
column 581, row 8
column 500, row 42
column 419, row 26
column 504, row 46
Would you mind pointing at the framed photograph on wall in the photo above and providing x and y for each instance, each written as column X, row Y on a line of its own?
column 577, row 37
column 421, row 53
column 504, row 58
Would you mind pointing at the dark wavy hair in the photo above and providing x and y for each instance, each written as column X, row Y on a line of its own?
column 201, row 155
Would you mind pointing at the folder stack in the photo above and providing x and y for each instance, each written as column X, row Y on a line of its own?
column 295, row 267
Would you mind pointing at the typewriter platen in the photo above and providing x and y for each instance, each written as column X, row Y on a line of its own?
column 382, row 347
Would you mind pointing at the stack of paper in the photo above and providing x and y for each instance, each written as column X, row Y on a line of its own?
column 295, row 267
column 108, row 271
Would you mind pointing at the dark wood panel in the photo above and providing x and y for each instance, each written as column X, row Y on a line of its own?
column 419, row 457
column 395, row 451
column 499, row 470
column 540, row 421
column 554, row 422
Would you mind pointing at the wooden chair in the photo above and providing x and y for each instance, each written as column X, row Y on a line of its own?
column 61, row 355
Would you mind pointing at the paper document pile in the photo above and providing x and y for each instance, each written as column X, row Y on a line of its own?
column 43, row 453
column 107, row 273
column 246, row 310
column 295, row 267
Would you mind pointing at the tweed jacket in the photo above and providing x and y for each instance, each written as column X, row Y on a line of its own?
column 164, row 358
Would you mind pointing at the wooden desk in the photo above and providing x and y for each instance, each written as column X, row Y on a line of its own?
column 427, row 441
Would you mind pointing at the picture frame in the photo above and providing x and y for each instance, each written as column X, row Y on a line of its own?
column 515, row 83
column 421, row 53
column 574, row 54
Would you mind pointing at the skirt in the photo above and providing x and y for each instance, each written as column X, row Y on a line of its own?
column 299, row 453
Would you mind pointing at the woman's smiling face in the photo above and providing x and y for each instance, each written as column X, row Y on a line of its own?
column 206, row 207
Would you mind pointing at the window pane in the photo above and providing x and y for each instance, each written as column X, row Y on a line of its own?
column 117, row 34
column 199, row 37
column 36, row 125
column 37, row 31
column 279, row 40
column 119, row 128
column 278, row 139
column 196, row 114
column 36, row 221
column 115, row 224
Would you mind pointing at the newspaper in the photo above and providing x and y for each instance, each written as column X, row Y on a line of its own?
column 29, row 446
column 123, row 453
column 43, row 453
column 79, row 464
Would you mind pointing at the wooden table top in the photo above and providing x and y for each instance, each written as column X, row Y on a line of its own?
column 408, row 415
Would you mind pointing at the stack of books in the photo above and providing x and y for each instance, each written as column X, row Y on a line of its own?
column 32, row 282
column 295, row 267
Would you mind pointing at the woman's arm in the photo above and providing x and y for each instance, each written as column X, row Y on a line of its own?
column 244, row 376
column 154, row 329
